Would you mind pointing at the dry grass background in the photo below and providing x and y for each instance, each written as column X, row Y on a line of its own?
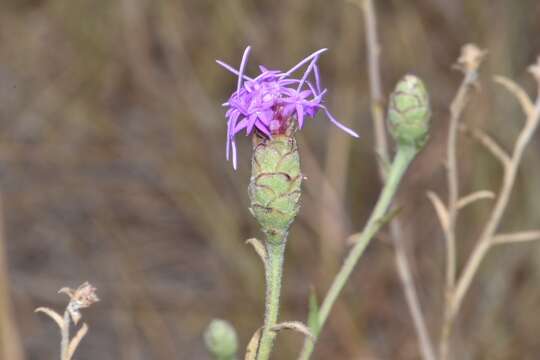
column 112, row 170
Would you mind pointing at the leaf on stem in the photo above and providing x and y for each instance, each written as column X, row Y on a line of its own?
column 522, row 236
column 440, row 209
column 295, row 326
column 259, row 248
column 475, row 196
column 525, row 101
column 52, row 314
column 253, row 345
column 74, row 343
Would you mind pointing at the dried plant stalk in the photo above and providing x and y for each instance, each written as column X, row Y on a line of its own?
column 80, row 298
column 456, row 289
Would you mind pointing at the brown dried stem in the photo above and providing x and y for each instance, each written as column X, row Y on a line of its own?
column 488, row 237
column 490, row 144
column 517, row 237
column 469, row 62
column 488, row 234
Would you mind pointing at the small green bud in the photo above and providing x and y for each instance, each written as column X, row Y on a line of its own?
column 274, row 188
column 409, row 112
column 221, row 340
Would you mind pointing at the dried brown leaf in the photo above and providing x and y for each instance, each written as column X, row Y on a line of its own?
column 440, row 209
column 53, row 315
column 295, row 326
column 475, row 196
column 253, row 345
column 259, row 248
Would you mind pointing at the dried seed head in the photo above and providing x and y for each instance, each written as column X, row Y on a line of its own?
column 470, row 59
column 220, row 339
column 80, row 298
column 409, row 112
column 274, row 188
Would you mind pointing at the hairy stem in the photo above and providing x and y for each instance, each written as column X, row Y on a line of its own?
column 274, row 269
column 401, row 162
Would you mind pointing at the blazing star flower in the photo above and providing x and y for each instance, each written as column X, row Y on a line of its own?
column 269, row 102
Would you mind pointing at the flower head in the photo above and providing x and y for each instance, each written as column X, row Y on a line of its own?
column 409, row 112
column 269, row 103
column 221, row 339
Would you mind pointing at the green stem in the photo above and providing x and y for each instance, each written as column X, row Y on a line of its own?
column 275, row 249
column 403, row 158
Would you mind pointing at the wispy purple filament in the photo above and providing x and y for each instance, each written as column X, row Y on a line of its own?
column 268, row 102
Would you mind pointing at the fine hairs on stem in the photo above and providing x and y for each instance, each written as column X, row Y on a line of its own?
column 457, row 286
column 381, row 147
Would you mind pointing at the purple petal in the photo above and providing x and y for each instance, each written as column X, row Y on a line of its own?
column 234, row 161
column 263, row 128
column 300, row 116
column 317, row 78
column 337, row 123
column 265, row 117
column 241, row 125
column 288, row 109
column 228, row 145
column 306, row 74
column 304, row 94
column 231, row 69
column 242, row 67
column 251, row 123
column 305, row 60
column 235, row 114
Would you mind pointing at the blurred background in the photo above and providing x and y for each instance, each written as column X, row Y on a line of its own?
column 112, row 170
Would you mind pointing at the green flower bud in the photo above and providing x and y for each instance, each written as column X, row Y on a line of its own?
column 221, row 340
column 274, row 189
column 409, row 112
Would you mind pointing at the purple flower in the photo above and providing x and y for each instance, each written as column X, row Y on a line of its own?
column 269, row 102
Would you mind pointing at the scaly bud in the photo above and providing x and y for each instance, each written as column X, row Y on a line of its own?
column 221, row 340
column 409, row 113
column 274, row 189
